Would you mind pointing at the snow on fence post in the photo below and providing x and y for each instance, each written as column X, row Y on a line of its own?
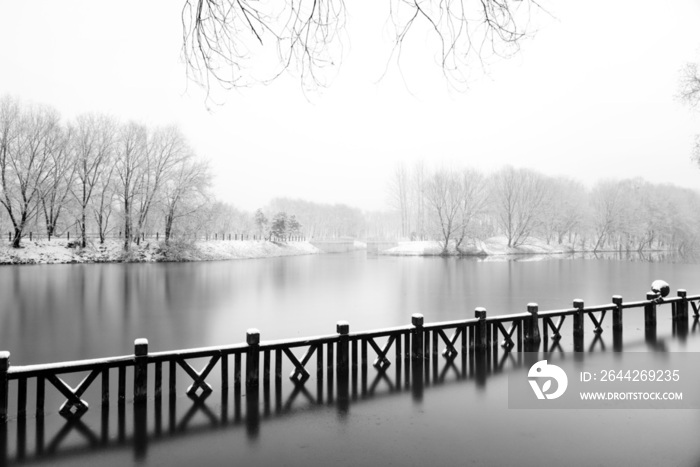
column 4, row 384
column 252, row 361
column 140, row 370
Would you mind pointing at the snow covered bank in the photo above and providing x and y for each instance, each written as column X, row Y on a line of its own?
column 58, row 251
column 490, row 247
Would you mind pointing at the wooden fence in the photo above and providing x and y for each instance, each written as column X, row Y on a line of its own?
column 419, row 354
column 335, row 354
column 157, row 236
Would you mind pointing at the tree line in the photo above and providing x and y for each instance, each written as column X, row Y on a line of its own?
column 94, row 173
column 459, row 206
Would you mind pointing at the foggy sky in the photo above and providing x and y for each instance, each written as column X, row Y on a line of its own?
column 591, row 95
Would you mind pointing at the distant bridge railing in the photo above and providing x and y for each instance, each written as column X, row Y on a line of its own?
column 143, row 236
column 411, row 346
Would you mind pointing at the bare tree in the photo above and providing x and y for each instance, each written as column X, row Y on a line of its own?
column 59, row 180
column 131, row 150
column 104, row 194
column 690, row 92
column 24, row 160
column 185, row 191
column 564, row 210
column 166, row 150
column 518, row 197
column 445, row 195
column 221, row 36
column 417, row 201
column 472, row 205
column 398, row 194
column 94, row 144
column 606, row 199
column 222, row 39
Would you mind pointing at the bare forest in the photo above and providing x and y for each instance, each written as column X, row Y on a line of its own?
column 94, row 177
column 458, row 206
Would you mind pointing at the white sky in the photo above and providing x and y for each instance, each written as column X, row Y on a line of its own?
column 591, row 96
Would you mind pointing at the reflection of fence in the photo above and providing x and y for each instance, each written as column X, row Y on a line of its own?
column 417, row 354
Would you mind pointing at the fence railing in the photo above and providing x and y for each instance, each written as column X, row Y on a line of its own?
column 31, row 236
column 410, row 357
column 334, row 353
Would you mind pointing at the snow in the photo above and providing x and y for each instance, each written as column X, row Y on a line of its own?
column 495, row 246
column 58, row 251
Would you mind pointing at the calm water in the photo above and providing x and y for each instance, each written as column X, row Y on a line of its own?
column 64, row 312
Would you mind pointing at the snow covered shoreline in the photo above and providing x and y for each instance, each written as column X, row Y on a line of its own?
column 58, row 251
column 492, row 247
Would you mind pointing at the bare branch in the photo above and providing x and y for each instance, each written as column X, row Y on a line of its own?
column 229, row 41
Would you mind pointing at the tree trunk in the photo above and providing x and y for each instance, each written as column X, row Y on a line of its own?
column 168, row 227
column 17, row 237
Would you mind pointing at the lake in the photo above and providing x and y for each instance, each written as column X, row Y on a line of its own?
column 66, row 312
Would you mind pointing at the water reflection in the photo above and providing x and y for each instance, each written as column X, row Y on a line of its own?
column 140, row 426
column 689, row 257
column 69, row 312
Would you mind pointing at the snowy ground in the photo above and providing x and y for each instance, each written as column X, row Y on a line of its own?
column 57, row 251
column 495, row 246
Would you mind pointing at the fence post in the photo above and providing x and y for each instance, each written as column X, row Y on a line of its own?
column 617, row 313
column 342, row 366
column 578, row 325
column 252, row 359
column 417, row 334
column 68, row 235
column 4, row 384
column 140, row 370
column 617, row 323
column 480, row 332
column 343, row 354
column 157, row 236
column 680, row 318
column 532, row 328
column 30, row 236
column 417, row 337
column 682, row 305
column 650, row 311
